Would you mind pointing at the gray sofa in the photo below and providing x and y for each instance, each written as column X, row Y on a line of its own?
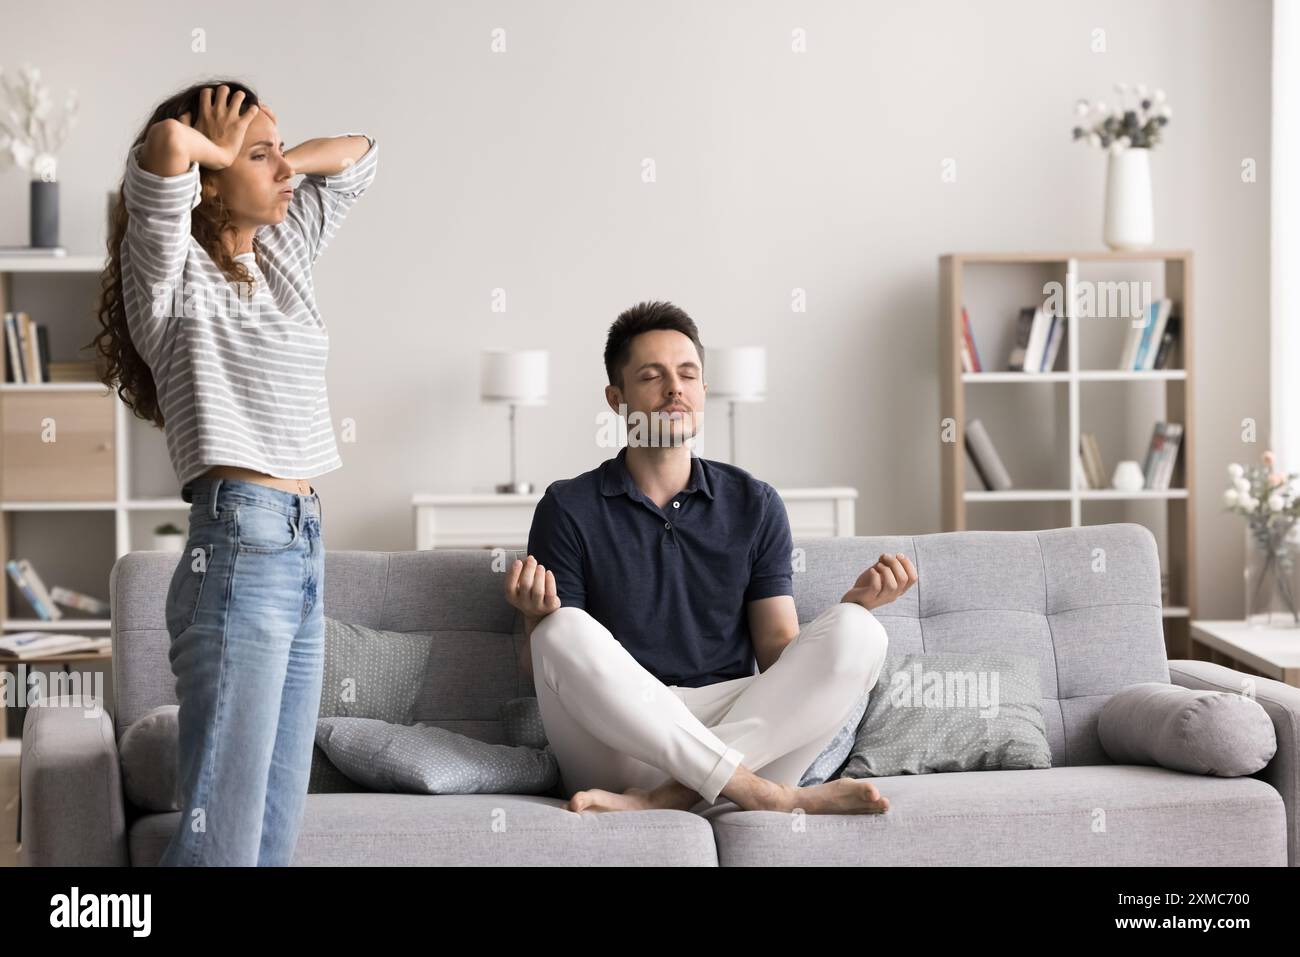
column 1038, row 593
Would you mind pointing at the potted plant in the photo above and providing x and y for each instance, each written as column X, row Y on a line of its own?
column 30, row 136
column 168, row 538
column 1267, row 500
column 1128, row 134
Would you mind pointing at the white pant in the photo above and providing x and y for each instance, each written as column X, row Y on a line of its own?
column 614, row 725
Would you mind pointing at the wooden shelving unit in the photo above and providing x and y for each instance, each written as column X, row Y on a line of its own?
column 958, row 274
column 75, row 497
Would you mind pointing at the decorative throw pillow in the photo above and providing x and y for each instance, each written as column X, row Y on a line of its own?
column 148, row 755
column 425, row 759
column 521, row 724
column 951, row 712
column 1202, row 732
column 826, row 766
column 368, row 674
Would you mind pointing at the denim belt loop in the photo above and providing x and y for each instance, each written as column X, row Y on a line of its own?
column 212, row 503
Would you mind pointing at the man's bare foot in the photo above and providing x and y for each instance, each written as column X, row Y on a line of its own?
column 840, row 796
column 671, row 794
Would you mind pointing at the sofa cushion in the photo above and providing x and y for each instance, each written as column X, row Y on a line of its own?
column 1099, row 815
column 1201, row 732
column 422, row 830
column 147, row 753
column 425, row 759
column 368, row 673
column 951, row 712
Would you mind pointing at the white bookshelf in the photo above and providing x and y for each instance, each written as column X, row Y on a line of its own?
column 989, row 275
column 113, row 525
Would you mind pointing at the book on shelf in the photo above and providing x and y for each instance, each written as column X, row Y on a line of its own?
column 1038, row 340
column 1094, row 470
column 33, row 589
column 984, row 457
column 28, row 349
column 78, row 600
column 1167, row 342
column 970, row 356
column 1161, row 454
column 1143, row 344
column 32, row 645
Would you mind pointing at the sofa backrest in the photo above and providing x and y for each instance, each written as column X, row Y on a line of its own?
column 1083, row 602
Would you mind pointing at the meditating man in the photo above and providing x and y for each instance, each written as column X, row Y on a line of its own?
column 652, row 584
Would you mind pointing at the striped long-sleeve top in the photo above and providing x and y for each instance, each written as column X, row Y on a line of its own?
column 240, row 371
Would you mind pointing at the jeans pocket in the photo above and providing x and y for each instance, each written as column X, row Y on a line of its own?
column 264, row 530
column 186, row 587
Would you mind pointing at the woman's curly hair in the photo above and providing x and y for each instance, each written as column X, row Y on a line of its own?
column 118, row 363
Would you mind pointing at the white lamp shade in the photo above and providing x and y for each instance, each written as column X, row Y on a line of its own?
column 518, row 377
column 737, row 374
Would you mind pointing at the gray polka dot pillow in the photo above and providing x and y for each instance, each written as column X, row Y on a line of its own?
column 425, row 759
column 951, row 712
column 368, row 673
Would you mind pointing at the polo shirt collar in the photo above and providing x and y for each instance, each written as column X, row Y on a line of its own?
column 617, row 480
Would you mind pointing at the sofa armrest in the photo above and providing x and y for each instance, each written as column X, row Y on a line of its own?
column 1282, row 702
column 73, row 810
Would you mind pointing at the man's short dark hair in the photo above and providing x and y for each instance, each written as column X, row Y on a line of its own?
column 645, row 317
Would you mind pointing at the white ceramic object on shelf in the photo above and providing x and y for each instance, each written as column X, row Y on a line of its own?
column 1128, row 476
column 1129, row 218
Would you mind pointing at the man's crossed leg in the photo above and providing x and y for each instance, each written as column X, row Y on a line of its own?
column 625, row 741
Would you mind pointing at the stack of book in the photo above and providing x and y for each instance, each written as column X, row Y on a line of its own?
column 28, row 645
column 1162, row 453
column 1039, row 335
column 1092, row 471
column 27, row 355
column 1148, row 346
column 1038, row 339
column 45, row 602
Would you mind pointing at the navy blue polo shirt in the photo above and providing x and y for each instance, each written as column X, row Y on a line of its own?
column 669, row 583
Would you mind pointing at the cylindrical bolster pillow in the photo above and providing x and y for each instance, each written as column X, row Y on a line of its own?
column 1202, row 732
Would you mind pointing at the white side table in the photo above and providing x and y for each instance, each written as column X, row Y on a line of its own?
column 1270, row 652
column 502, row 521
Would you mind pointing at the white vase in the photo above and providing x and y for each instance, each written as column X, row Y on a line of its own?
column 1129, row 219
column 1128, row 476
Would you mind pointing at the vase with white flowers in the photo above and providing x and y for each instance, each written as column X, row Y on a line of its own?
column 31, row 136
column 1128, row 133
column 1267, row 500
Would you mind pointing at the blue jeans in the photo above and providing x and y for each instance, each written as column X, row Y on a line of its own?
column 246, row 619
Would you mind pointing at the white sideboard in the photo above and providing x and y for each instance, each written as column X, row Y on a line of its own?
column 491, row 520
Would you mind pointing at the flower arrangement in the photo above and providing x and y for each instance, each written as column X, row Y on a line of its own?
column 1267, row 500
column 30, row 135
column 1137, row 126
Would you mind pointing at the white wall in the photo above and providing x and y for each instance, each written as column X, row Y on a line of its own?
column 822, row 171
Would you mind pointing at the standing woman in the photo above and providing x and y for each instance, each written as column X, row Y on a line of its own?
column 211, row 332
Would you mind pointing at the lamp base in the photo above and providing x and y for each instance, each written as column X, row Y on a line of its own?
column 515, row 488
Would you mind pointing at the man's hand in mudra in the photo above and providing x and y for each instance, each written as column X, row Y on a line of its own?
column 882, row 582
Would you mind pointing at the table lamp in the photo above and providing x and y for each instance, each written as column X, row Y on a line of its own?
column 736, row 374
column 514, row 378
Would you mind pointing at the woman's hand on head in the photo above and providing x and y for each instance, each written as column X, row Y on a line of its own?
column 221, row 122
